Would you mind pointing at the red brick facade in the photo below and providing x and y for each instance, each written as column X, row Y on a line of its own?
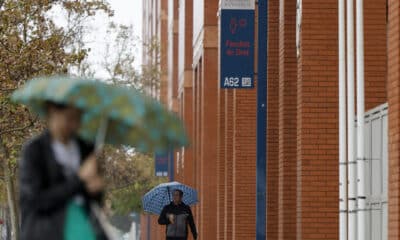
column 302, row 119
column 287, row 120
column 228, row 132
column 394, row 118
column 221, row 220
column 273, row 119
column 317, row 123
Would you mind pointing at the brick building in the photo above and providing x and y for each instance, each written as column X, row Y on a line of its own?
column 302, row 119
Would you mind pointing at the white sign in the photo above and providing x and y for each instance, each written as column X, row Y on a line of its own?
column 238, row 4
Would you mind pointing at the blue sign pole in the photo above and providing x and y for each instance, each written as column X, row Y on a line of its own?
column 261, row 164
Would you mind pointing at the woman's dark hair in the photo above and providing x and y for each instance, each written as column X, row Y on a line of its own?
column 179, row 191
column 57, row 106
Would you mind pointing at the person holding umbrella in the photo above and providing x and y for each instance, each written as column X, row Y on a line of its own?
column 60, row 188
column 58, row 168
column 177, row 216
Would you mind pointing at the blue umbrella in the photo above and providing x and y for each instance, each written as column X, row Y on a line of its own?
column 158, row 197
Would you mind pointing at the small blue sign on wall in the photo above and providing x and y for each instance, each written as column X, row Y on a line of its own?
column 237, row 48
column 161, row 164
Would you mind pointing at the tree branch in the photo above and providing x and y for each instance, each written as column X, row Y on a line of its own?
column 18, row 129
column 121, row 187
column 7, row 89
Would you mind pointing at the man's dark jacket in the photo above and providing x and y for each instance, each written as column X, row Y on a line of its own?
column 45, row 191
column 178, row 210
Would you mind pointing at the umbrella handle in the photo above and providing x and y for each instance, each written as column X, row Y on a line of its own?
column 102, row 219
column 169, row 194
column 101, row 135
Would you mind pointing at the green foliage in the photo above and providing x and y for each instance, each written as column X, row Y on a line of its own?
column 3, row 194
column 129, row 176
column 151, row 72
column 30, row 45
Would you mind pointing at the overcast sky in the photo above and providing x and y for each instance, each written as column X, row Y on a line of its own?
column 127, row 12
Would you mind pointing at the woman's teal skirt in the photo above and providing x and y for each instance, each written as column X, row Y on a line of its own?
column 77, row 224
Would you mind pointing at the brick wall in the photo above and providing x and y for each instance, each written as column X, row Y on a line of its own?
column 221, row 221
column 272, row 119
column 189, row 123
column 206, row 71
column 196, row 139
column 209, row 144
column 196, row 145
column 244, row 110
column 317, row 123
column 244, row 163
column 149, row 228
column 221, row 174
column 287, row 119
column 225, row 146
column 228, row 164
column 143, row 227
column 375, row 50
column 394, row 118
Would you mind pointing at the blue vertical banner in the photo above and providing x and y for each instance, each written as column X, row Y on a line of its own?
column 161, row 164
column 237, row 47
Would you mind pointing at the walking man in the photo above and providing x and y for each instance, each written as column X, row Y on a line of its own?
column 177, row 216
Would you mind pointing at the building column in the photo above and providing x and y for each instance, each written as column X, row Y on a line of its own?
column 394, row 118
column 188, row 119
column 209, row 98
column 221, row 174
column 272, row 119
column 287, row 119
column 244, row 163
column 228, row 129
column 317, row 122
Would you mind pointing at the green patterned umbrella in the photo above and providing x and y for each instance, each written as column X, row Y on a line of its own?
column 131, row 118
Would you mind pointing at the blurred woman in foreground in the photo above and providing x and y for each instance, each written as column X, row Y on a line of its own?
column 58, row 180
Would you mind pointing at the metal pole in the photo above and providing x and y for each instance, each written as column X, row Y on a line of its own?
column 261, row 163
column 101, row 135
column 352, row 163
column 342, row 126
column 361, row 163
column 169, row 194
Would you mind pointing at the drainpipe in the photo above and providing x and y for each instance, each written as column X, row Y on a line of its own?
column 361, row 163
column 342, row 126
column 352, row 163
